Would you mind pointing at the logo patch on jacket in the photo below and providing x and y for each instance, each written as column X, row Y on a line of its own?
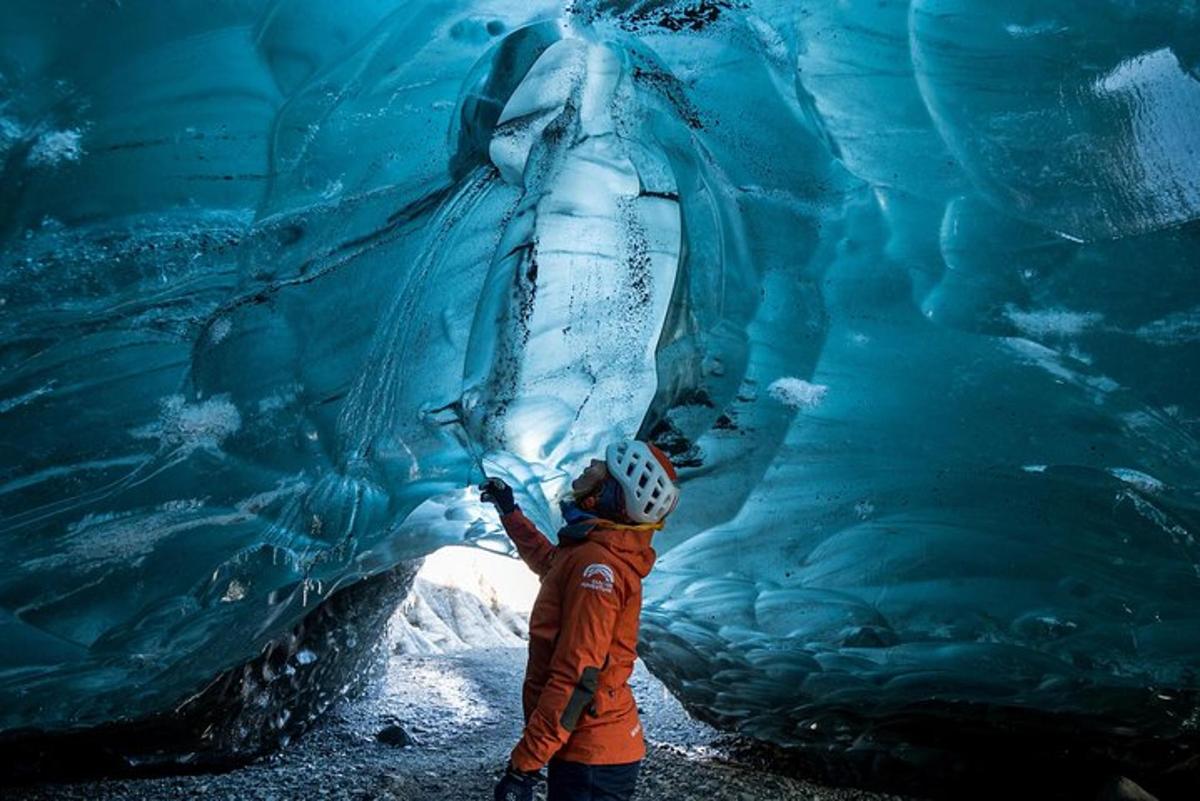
column 598, row 577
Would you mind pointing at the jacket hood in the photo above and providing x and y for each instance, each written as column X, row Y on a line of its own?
column 630, row 545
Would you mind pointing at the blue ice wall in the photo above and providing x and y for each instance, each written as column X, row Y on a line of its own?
column 909, row 289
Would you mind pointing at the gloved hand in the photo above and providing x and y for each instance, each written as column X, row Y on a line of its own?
column 516, row 785
column 497, row 493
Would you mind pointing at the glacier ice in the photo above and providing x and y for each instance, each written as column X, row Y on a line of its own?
column 907, row 287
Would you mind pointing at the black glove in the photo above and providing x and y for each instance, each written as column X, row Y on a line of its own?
column 497, row 493
column 515, row 785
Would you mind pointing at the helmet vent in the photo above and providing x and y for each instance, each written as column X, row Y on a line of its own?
column 646, row 476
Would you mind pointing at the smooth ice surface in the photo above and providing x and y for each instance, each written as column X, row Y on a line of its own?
column 909, row 289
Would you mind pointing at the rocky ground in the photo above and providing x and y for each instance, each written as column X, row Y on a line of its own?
column 461, row 713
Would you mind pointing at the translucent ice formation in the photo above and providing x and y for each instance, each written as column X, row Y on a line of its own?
column 907, row 288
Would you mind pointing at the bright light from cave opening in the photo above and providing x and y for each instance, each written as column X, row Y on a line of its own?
column 492, row 577
column 465, row 598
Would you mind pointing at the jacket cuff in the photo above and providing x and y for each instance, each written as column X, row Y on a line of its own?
column 523, row 760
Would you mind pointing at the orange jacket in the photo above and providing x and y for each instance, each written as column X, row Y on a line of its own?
column 582, row 644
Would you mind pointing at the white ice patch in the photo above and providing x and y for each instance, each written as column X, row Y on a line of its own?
column 123, row 539
column 1037, row 29
column 9, row 404
column 285, row 397
column 236, row 591
column 1052, row 322
column 1138, row 479
column 1054, row 624
column 1165, row 180
column 593, row 259
column 55, row 147
column 537, row 100
column 220, row 329
column 10, row 134
column 186, row 427
column 1180, row 536
column 1037, row 355
column 1180, row 328
column 772, row 43
column 285, row 488
column 1078, row 355
column 1143, row 423
column 797, row 393
column 332, row 189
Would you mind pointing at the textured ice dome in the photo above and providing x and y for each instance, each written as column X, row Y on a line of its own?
column 909, row 290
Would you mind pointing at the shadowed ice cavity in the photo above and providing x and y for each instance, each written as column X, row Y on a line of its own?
column 907, row 289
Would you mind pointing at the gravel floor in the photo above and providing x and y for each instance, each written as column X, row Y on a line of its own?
column 463, row 713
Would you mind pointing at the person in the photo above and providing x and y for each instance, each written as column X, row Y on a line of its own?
column 580, row 714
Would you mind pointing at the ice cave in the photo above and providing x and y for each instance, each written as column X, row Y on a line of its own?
column 909, row 290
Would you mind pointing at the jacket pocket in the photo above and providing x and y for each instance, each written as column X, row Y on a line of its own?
column 605, row 700
column 581, row 696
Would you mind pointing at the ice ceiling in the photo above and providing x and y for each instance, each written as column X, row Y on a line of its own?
column 910, row 289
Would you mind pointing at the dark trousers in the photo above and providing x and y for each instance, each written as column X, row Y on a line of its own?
column 575, row 781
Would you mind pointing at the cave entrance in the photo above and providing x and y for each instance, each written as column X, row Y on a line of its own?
column 465, row 598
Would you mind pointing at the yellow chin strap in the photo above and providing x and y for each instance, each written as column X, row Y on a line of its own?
column 630, row 526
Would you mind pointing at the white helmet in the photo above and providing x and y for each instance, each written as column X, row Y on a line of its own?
column 647, row 479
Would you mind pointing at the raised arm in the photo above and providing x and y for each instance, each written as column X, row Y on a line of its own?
column 535, row 550
column 533, row 546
